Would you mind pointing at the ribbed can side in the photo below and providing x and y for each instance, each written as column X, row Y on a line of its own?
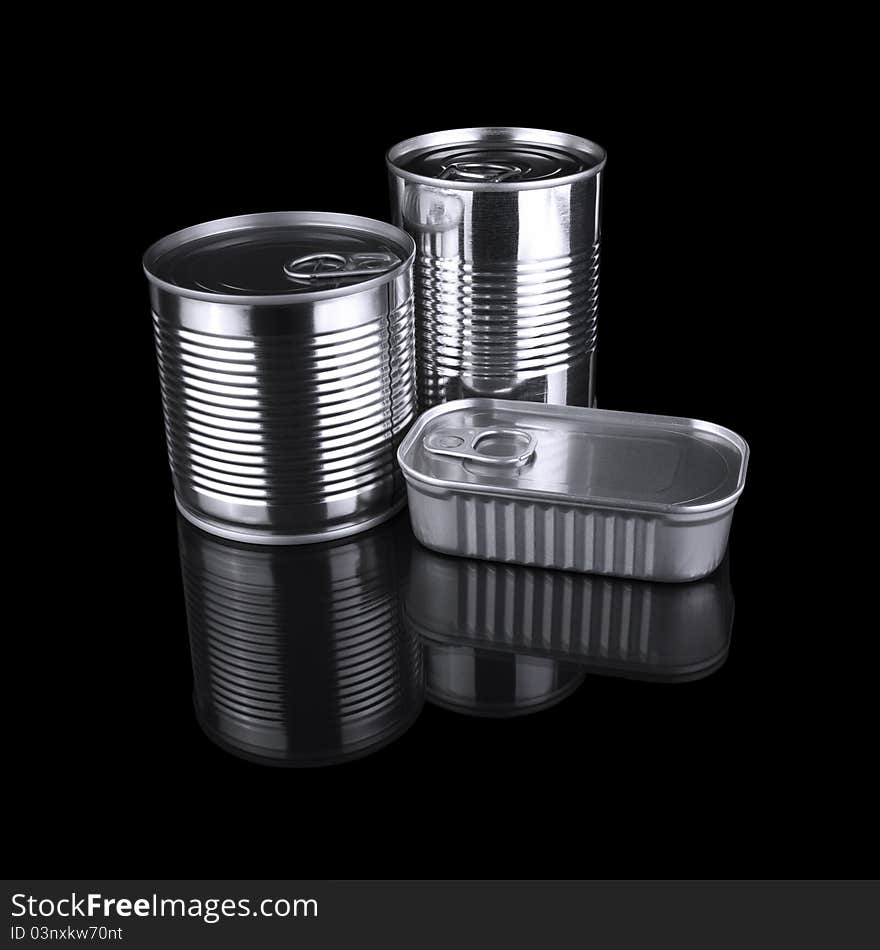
column 288, row 432
column 517, row 330
column 570, row 537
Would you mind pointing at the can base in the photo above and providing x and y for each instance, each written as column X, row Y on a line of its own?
column 256, row 536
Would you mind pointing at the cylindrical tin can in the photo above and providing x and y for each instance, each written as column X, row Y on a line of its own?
column 285, row 346
column 299, row 654
column 506, row 224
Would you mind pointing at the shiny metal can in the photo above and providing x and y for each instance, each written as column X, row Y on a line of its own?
column 507, row 227
column 285, row 349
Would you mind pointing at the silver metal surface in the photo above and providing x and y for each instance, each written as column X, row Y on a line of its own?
column 300, row 656
column 285, row 349
column 507, row 228
column 665, row 632
column 620, row 493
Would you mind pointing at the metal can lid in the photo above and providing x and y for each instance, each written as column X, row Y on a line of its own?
column 571, row 455
column 496, row 158
column 276, row 256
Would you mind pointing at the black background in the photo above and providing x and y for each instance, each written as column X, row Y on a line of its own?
column 758, row 766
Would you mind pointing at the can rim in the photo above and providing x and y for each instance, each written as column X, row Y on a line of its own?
column 479, row 134
column 267, row 218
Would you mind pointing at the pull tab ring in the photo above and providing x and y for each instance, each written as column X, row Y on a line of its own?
column 483, row 171
column 329, row 266
column 464, row 444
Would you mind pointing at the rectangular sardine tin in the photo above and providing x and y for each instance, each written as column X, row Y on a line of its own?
column 591, row 490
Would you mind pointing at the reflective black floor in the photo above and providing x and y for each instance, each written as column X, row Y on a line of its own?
column 317, row 654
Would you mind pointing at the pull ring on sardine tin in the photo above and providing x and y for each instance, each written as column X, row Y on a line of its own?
column 495, row 446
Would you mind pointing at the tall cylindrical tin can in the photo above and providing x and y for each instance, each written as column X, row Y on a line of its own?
column 506, row 224
column 285, row 344
column 299, row 654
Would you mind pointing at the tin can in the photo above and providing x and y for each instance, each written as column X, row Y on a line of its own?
column 621, row 493
column 300, row 656
column 285, row 348
column 507, row 229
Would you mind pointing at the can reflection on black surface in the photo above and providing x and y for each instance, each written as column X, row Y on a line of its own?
column 299, row 654
column 635, row 629
column 489, row 683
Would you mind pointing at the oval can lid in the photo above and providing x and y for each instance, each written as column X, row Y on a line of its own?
column 571, row 455
column 277, row 257
column 496, row 158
